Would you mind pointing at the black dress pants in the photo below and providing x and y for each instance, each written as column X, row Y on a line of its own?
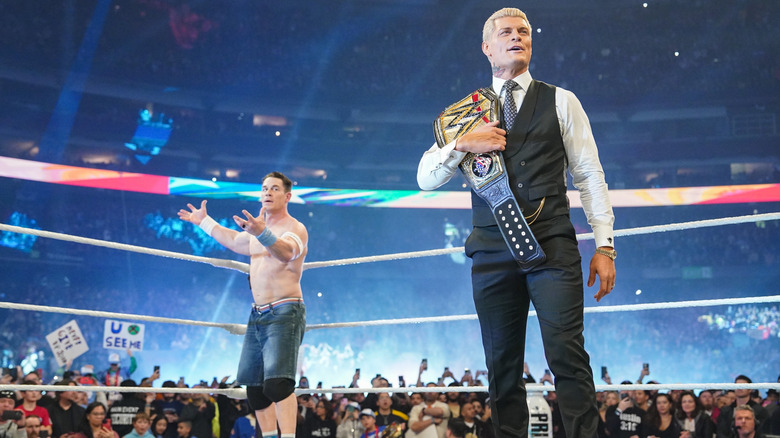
column 502, row 295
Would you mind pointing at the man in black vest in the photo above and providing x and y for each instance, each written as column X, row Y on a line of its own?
column 547, row 133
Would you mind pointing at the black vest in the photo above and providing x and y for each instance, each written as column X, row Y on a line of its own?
column 536, row 161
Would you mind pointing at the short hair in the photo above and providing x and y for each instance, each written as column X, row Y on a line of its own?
column 490, row 23
column 286, row 181
column 745, row 408
column 743, row 377
column 141, row 415
column 34, row 416
column 457, row 427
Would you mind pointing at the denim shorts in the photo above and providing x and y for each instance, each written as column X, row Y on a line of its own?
column 271, row 344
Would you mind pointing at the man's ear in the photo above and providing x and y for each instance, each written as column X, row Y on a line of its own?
column 486, row 49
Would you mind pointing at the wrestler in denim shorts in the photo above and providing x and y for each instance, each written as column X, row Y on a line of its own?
column 271, row 344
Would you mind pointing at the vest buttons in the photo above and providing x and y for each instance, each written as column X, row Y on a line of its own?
column 519, row 185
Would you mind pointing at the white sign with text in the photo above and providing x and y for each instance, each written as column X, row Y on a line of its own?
column 122, row 335
column 67, row 343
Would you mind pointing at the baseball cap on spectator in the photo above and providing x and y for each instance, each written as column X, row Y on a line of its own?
column 87, row 370
column 353, row 405
column 7, row 394
column 113, row 358
column 367, row 412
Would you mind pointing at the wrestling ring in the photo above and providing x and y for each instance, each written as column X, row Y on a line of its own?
column 536, row 405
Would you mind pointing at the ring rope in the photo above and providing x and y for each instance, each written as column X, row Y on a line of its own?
column 600, row 309
column 240, row 393
column 236, row 329
column 243, row 267
column 583, row 236
column 217, row 262
column 240, row 329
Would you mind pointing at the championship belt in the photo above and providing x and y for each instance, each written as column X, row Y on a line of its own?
column 393, row 430
column 486, row 173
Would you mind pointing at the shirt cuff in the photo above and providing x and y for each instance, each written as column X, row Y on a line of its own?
column 449, row 157
column 603, row 236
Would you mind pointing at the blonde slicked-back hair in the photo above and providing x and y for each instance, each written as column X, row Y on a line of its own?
column 490, row 24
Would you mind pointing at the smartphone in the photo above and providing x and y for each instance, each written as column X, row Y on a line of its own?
column 357, row 370
column 624, row 395
column 603, row 372
column 43, row 433
column 547, row 372
column 107, row 423
column 157, row 368
column 646, row 366
column 319, row 384
column 425, row 362
column 12, row 415
column 466, row 371
column 446, row 369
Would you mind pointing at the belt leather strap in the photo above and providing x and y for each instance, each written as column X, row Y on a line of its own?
column 486, row 173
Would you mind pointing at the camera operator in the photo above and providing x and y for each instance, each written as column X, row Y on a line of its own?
column 11, row 422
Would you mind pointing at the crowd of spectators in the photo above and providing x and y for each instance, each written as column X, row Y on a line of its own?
column 397, row 412
column 758, row 321
column 637, row 51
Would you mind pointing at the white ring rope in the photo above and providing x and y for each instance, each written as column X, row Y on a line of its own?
column 220, row 263
column 236, row 329
column 601, row 309
column 243, row 267
column 240, row 329
column 240, row 393
column 230, row 392
column 584, row 236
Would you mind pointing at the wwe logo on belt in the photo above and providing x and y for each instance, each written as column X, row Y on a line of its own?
column 481, row 165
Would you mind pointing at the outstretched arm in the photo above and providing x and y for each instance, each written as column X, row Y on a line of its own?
column 230, row 239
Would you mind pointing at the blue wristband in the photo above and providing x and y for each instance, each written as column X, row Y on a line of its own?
column 266, row 238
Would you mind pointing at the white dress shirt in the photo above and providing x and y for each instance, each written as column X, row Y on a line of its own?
column 438, row 165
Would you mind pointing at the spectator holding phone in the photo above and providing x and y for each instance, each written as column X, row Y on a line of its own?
column 350, row 425
column 95, row 424
column 9, row 428
column 626, row 420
